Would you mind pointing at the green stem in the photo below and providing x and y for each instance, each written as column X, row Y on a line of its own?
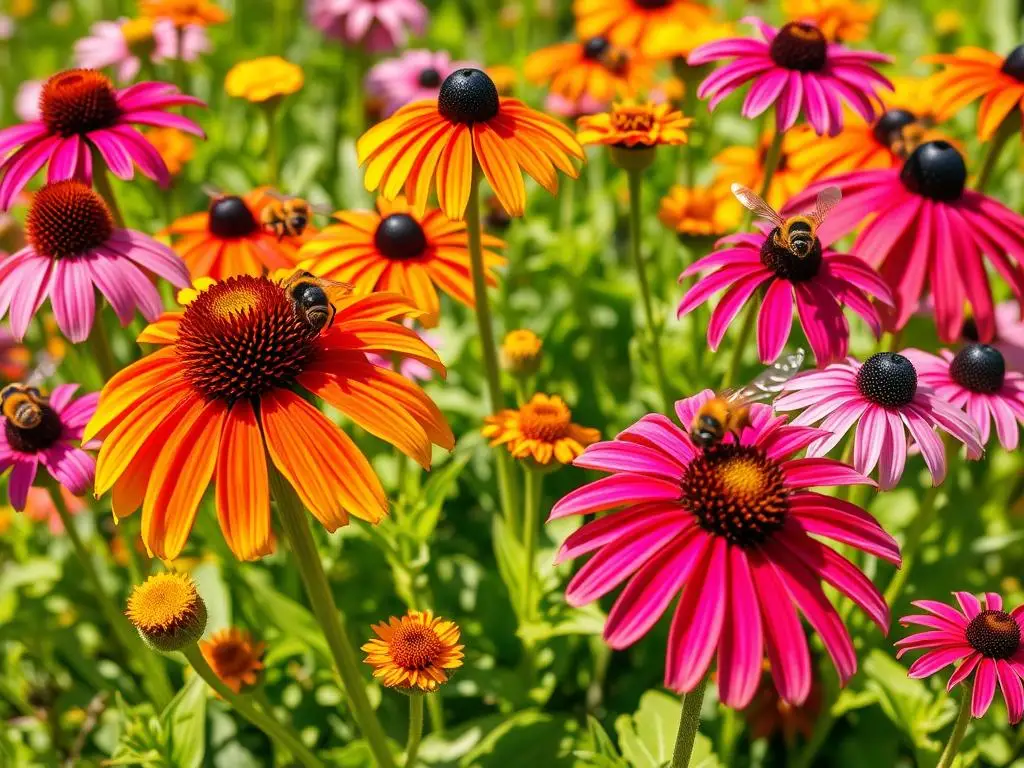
column 100, row 346
column 532, row 489
column 412, row 746
column 730, row 732
column 307, row 559
column 241, row 704
column 1009, row 127
column 635, row 187
column 746, row 330
column 273, row 142
column 963, row 719
column 101, row 180
column 435, row 708
column 689, row 722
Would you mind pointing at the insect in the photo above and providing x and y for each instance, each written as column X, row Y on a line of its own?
column 312, row 297
column 796, row 233
column 730, row 411
column 614, row 59
column 286, row 215
column 22, row 404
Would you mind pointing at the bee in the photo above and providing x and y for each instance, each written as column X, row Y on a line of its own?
column 729, row 412
column 796, row 233
column 907, row 139
column 614, row 59
column 312, row 298
column 23, row 405
column 286, row 215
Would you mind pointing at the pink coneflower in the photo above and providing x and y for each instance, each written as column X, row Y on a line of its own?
column 797, row 70
column 413, row 76
column 736, row 525
column 414, row 370
column 123, row 43
column 985, row 640
column 820, row 285
column 975, row 380
column 377, row 25
column 51, row 441
column 883, row 398
column 73, row 249
column 81, row 111
column 571, row 110
column 926, row 227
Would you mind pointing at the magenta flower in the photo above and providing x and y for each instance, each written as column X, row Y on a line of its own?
column 820, row 285
column 82, row 111
column 413, row 76
column 976, row 381
column 884, row 399
column 797, row 70
column 985, row 641
column 734, row 528
column 121, row 44
column 51, row 442
column 73, row 249
column 926, row 228
column 1009, row 335
column 377, row 25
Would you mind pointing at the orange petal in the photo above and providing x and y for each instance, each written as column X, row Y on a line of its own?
column 499, row 166
column 130, row 385
column 376, row 306
column 455, row 173
column 163, row 331
column 243, row 493
column 383, row 338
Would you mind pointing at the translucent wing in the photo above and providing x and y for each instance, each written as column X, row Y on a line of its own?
column 769, row 382
column 752, row 201
column 335, row 289
column 45, row 368
column 828, row 199
column 282, row 197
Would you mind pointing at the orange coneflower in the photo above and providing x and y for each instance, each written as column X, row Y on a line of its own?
column 633, row 125
column 184, row 13
column 541, row 429
column 229, row 239
column 234, row 656
column 641, row 24
column 845, row 21
column 415, row 651
column 699, row 211
column 745, row 165
column 395, row 249
column 973, row 72
column 223, row 393
column 593, row 68
column 468, row 125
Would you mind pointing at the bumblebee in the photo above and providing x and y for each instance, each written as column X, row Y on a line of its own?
column 312, row 297
column 286, row 215
column 796, row 234
column 729, row 412
column 23, row 405
column 615, row 59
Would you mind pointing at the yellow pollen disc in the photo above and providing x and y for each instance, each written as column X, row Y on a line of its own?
column 806, row 32
column 163, row 601
column 632, row 119
column 742, row 477
column 137, row 31
column 236, row 302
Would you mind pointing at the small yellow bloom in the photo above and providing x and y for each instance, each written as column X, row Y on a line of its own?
column 415, row 651
column 632, row 125
column 21, row 9
column 680, row 46
column 698, row 211
column 184, row 12
column 838, row 20
column 168, row 611
column 948, row 22
column 520, row 352
column 175, row 147
column 233, row 655
column 542, row 430
column 259, row 80
column 504, row 78
column 138, row 33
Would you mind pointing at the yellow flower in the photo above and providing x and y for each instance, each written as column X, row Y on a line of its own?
column 415, row 651
column 542, row 429
column 503, row 77
column 633, row 125
column 698, row 211
column 184, row 12
column 21, row 9
column 233, row 655
column 168, row 611
column 259, row 80
column 175, row 147
column 680, row 46
column 948, row 22
column 520, row 352
column 845, row 20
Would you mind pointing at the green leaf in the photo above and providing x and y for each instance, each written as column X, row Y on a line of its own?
column 509, row 554
column 597, row 748
column 185, row 721
column 442, row 483
column 292, row 619
column 648, row 737
column 527, row 738
column 587, row 621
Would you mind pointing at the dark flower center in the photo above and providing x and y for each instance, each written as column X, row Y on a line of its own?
column 78, row 101
column 243, row 337
column 736, row 492
column 888, row 379
column 799, row 46
column 979, row 368
column 38, row 438
column 415, row 647
column 1013, row 65
column 595, row 47
column 468, row 96
column 788, row 265
column 650, row 5
column 889, row 127
column 429, row 78
column 67, row 219
column 231, row 218
column 232, row 658
column 936, row 170
column 399, row 236
column 994, row 634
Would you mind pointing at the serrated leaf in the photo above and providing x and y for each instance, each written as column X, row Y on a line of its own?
column 185, row 721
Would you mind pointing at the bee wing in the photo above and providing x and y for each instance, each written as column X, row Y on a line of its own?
column 335, row 289
column 828, row 199
column 752, row 201
column 770, row 380
column 323, row 210
column 45, row 368
column 279, row 196
column 212, row 191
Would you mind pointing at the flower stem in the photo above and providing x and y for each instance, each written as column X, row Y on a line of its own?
column 635, row 186
column 100, row 346
column 306, row 557
column 963, row 719
column 689, row 722
column 532, row 489
column 103, row 188
column 273, row 142
column 241, row 704
column 435, row 708
column 412, row 746
column 1009, row 127
column 771, row 165
column 749, row 318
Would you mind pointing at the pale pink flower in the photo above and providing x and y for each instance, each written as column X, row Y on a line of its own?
column 377, row 25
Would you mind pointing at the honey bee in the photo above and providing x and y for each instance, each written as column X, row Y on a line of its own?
column 796, row 233
column 286, row 215
column 312, row 298
column 730, row 411
column 22, row 405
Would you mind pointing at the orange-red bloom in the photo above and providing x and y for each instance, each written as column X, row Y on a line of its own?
column 593, row 68
column 635, row 125
column 234, row 656
column 396, row 249
column 973, row 72
column 640, row 24
column 541, row 429
column 223, row 393
column 184, row 13
column 416, row 651
column 839, row 20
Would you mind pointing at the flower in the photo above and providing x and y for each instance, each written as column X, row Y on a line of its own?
column 768, row 714
column 927, row 225
column 593, row 67
column 847, row 20
column 681, row 46
column 410, row 368
column 973, row 72
column 234, row 657
column 796, row 69
column 124, row 43
column 414, row 651
column 948, row 22
column 168, row 611
column 413, row 76
column 73, row 249
column 975, row 379
column 469, row 123
column 504, row 77
column 14, row 357
column 820, row 284
column 175, row 147
column 985, row 639
column 219, row 396
column 184, row 13
column 698, row 212
column 47, row 434
column 541, row 429
column 396, row 249
column 630, row 126
column 745, row 165
column 571, row 110
column 39, row 506
column 228, row 239
column 262, row 79
column 642, row 25
column 26, row 100
column 1009, row 334
column 81, row 111
column 883, row 397
column 733, row 527
column 377, row 25
column 521, row 352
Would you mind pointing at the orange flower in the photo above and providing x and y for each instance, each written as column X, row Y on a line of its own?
column 184, row 12
column 168, row 611
column 398, row 250
column 635, row 125
column 699, row 211
column 594, row 68
column 643, row 25
column 229, row 239
column 415, row 651
column 839, row 20
column 233, row 655
column 175, row 147
column 973, row 72
column 222, row 393
column 542, row 429
column 745, row 165
column 680, row 46
column 468, row 125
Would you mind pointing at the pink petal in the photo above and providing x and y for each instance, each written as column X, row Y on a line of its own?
column 622, row 456
column 614, row 491
column 742, row 643
column 810, row 472
column 22, row 166
column 71, row 467
column 21, row 479
column 619, row 525
column 1013, row 691
column 659, row 431
column 933, row 661
column 64, row 160
column 775, row 320
column 964, row 670
column 730, row 305
column 114, row 153
column 73, row 298
column 984, row 687
column 787, row 646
